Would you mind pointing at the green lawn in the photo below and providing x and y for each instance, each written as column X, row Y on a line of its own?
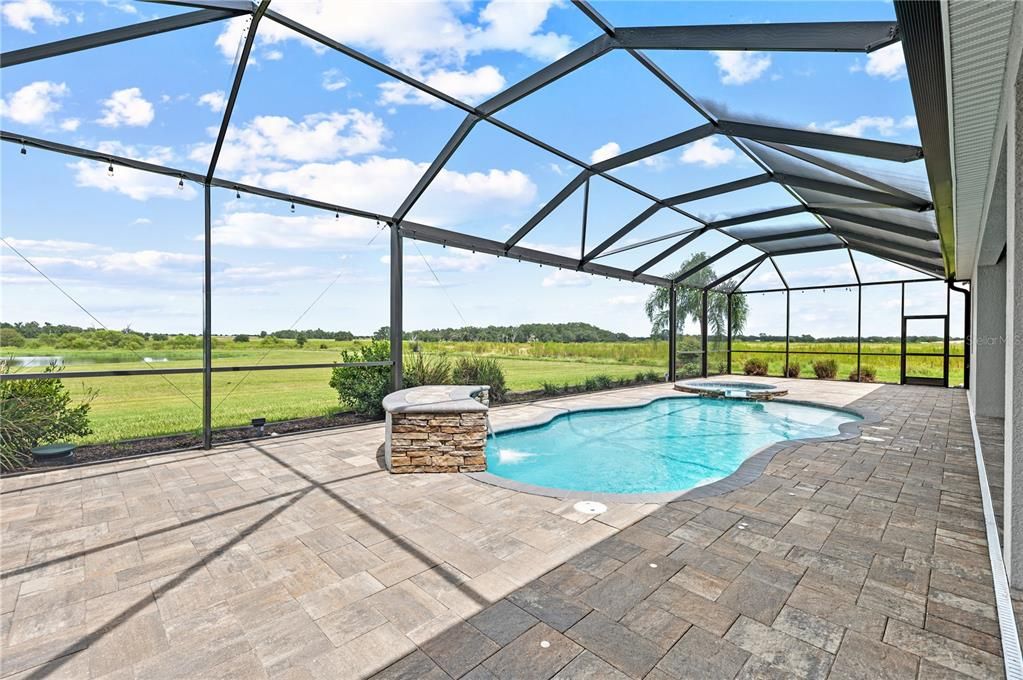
column 141, row 406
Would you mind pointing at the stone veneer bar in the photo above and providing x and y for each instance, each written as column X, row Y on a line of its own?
column 437, row 428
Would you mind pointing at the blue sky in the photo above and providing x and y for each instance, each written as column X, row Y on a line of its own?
column 312, row 122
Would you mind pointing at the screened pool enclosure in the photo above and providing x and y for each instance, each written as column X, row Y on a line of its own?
column 810, row 219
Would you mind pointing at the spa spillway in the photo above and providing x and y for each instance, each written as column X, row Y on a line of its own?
column 732, row 389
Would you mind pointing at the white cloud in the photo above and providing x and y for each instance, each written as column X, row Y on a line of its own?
column 333, row 80
column 267, row 230
column 416, row 36
column 138, row 185
column 216, row 100
column 380, row 184
column 273, row 55
column 127, row 107
column 885, row 126
column 609, row 150
column 707, row 153
column 88, row 261
column 274, row 142
column 566, row 278
column 34, row 103
column 625, row 300
column 453, row 261
column 739, row 68
column 468, row 86
column 52, row 245
column 142, row 220
column 70, row 124
column 22, row 14
column 887, row 62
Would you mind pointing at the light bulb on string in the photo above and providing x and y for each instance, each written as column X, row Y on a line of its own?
column 292, row 206
column 110, row 169
column 237, row 194
column 337, row 215
column 24, row 151
column 181, row 184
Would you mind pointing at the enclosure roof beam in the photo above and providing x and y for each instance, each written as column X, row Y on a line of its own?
column 758, row 216
column 866, row 195
column 456, row 239
column 918, row 254
column 783, row 236
column 921, row 25
column 548, row 208
column 654, row 148
column 930, row 268
column 778, row 272
column 706, row 263
column 655, row 239
column 743, row 280
column 448, row 150
column 724, row 188
column 825, row 36
column 754, row 263
column 871, row 148
column 245, row 6
column 674, row 248
column 883, row 225
column 575, row 59
column 115, row 35
column 844, row 171
column 807, row 249
column 232, row 97
column 852, row 262
column 852, row 236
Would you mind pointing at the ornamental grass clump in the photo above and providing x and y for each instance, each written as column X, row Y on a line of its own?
column 826, row 369
column 755, row 366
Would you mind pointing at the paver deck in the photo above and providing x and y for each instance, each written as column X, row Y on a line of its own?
column 299, row 558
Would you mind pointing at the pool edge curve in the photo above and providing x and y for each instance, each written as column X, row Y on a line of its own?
column 751, row 469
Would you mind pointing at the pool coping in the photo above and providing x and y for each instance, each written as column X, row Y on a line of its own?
column 750, row 469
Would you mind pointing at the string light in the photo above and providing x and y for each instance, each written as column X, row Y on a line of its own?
column 110, row 169
column 24, row 151
column 292, row 206
column 181, row 183
column 337, row 215
column 237, row 194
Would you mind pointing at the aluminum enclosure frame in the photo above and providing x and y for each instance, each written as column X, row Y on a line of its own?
column 863, row 37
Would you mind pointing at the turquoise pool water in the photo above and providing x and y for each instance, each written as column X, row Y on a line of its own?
column 667, row 445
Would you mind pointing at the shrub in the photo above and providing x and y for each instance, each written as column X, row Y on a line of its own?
column 422, row 370
column 241, row 338
column 550, row 389
column 755, row 366
column 826, row 369
column 654, row 376
column 362, row 388
column 867, row 374
column 301, row 340
column 11, row 338
column 474, row 370
column 37, row 412
column 792, row 371
column 688, row 370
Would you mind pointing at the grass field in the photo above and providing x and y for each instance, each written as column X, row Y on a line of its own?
column 142, row 406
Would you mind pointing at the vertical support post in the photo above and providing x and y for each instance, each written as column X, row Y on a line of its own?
column 902, row 313
column 859, row 332
column 672, row 333
column 586, row 213
column 396, row 308
column 788, row 300
column 728, row 350
column 207, row 323
column 703, row 324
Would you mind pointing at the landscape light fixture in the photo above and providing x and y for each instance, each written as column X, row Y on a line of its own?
column 259, row 424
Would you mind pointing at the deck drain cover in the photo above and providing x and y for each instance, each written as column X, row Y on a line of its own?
column 590, row 507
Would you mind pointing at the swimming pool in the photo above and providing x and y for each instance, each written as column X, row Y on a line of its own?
column 671, row 444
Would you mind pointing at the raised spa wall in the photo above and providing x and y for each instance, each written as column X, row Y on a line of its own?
column 437, row 428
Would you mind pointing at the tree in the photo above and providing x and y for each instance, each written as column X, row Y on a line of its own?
column 382, row 333
column 11, row 338
column 241, row 337
column 300, row 339
column 690, row 303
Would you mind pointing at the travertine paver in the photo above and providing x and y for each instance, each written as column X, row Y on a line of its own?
column 300, row 558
